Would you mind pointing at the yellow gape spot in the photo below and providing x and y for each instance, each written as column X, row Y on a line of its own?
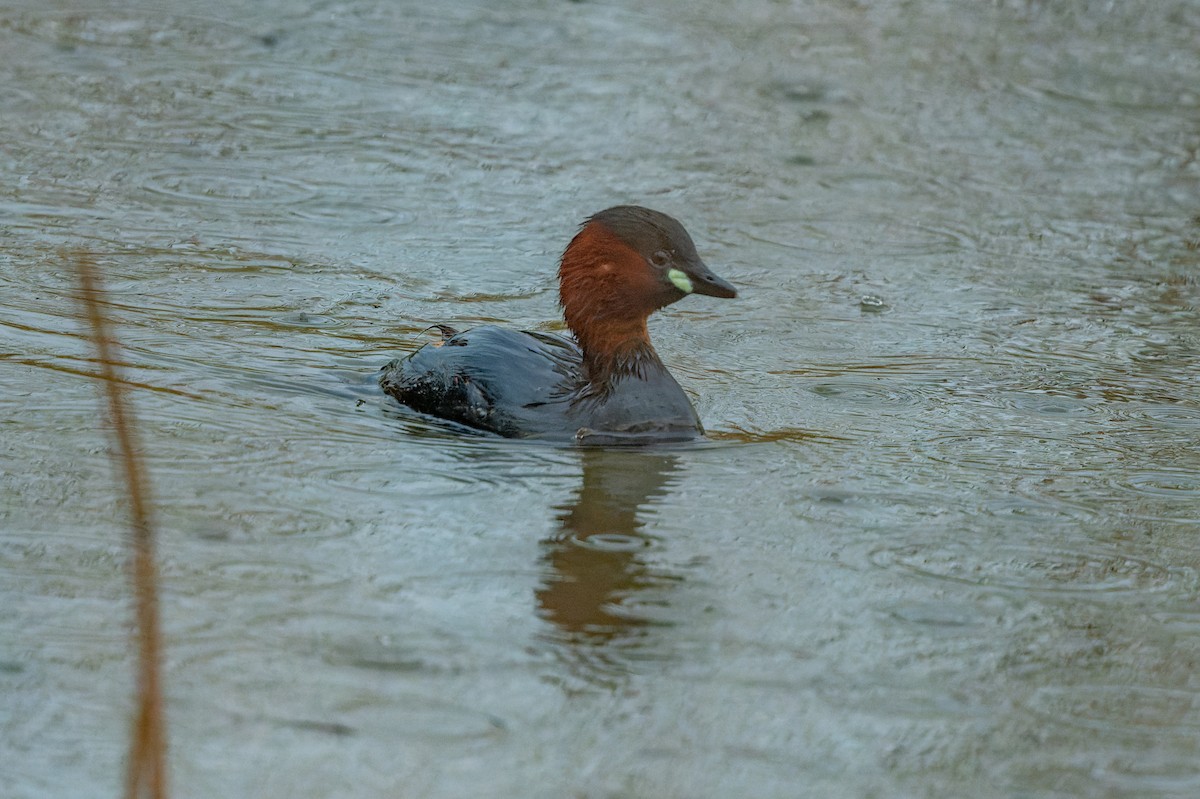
column 681, row 281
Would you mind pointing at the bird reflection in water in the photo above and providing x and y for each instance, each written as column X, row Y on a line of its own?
column 596, row 576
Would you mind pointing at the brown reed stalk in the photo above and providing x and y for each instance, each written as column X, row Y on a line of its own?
column 146, row 775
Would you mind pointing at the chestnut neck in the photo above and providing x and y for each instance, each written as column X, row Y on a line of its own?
column 606, row 293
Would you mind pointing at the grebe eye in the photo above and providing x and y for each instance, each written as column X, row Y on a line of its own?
column 660, row 258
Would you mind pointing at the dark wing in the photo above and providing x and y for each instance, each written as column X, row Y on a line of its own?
column 508, row 381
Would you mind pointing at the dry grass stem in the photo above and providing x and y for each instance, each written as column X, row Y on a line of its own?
column 146, row 776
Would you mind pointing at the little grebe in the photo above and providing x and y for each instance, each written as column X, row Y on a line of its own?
column 606, row 386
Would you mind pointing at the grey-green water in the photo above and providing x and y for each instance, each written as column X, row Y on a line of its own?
column 944, row 541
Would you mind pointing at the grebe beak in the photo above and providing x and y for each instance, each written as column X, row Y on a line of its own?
column 697, row 278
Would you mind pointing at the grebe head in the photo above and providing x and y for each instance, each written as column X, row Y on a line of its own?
column 625, row 263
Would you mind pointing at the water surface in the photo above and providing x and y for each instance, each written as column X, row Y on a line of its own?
column 943, row 541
